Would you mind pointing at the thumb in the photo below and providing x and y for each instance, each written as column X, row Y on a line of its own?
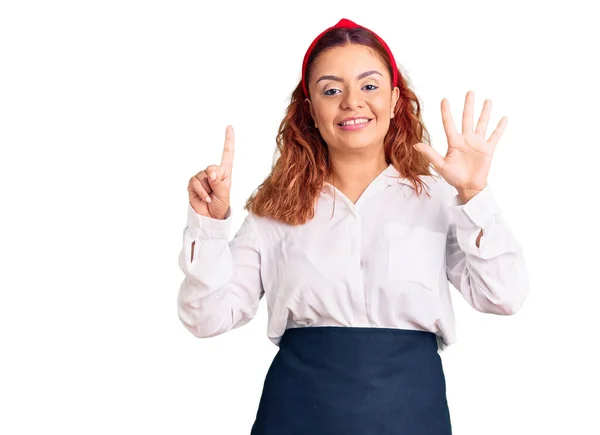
column 418, row 146
column 430, row 154
column 218, row 186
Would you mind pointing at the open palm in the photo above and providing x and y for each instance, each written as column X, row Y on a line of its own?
column 469, row 156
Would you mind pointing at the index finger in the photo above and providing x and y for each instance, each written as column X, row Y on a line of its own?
column 447, row 120
column 229, row 148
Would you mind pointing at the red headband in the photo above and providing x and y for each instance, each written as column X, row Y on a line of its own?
column 349, row 25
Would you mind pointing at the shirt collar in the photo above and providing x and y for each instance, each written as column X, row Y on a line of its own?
column 392, row 176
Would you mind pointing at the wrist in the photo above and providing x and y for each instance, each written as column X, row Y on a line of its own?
column 465, row 195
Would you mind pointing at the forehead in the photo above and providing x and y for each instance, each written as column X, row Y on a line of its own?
column 348, row 60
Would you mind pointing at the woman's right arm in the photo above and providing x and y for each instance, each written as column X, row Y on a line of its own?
column 222, row 286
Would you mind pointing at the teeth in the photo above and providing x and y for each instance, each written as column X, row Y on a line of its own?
column 356, row 121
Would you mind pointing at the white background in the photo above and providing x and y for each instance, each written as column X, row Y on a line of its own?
column 107, row 108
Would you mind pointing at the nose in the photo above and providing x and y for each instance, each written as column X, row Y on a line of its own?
column 352, row 99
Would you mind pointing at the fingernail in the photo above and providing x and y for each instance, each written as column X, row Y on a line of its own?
column 208, row 199
column 213, row 176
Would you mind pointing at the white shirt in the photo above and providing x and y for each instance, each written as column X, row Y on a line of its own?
column 386, row 261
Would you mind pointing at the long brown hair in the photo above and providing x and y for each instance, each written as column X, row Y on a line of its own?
column 289, row 193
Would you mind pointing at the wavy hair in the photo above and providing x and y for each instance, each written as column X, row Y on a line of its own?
column 290, row 192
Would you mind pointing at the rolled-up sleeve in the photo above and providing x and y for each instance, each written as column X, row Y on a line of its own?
column 222, row 287
column 492, row 277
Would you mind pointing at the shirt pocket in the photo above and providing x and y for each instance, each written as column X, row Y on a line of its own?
column 415, row 254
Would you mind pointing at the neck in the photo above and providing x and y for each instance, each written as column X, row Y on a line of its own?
column 349, row 174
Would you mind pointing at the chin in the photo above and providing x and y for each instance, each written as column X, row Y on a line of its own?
column 359, row 143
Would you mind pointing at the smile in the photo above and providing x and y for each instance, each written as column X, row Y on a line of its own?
column 355, row 125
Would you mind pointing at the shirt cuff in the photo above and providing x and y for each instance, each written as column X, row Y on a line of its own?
column 206, row 227
column 477, row 211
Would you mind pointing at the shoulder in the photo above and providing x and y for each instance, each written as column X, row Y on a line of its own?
column 438, row 187
column 262, row 221
column 265, row 226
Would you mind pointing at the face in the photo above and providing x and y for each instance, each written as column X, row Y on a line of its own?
column 348, row 82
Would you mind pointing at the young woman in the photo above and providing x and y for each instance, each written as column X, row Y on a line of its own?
column 354, row 243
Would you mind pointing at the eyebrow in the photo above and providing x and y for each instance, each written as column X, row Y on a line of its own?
column 359, row 77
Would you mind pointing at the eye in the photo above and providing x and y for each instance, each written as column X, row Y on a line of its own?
column 373, row 87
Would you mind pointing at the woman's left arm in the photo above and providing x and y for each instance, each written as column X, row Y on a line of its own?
column 490, row 274
column 483, row 259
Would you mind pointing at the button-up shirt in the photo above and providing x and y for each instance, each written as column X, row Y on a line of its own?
column 385, row 261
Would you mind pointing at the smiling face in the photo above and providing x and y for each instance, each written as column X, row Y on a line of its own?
column 351, row 82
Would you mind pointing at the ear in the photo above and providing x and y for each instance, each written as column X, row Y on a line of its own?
column 394, row 100
column 312, row 112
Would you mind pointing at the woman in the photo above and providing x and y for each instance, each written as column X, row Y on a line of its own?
column 353, row 256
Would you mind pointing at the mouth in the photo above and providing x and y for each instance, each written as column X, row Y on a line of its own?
column 355, row 125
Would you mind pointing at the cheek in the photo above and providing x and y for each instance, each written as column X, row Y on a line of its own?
column 326, row 118
column 380, row 106
column 384, row 107
column 327, row 111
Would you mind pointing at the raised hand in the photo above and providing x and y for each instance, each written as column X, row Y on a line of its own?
column 469, row 156
column 210, row 196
